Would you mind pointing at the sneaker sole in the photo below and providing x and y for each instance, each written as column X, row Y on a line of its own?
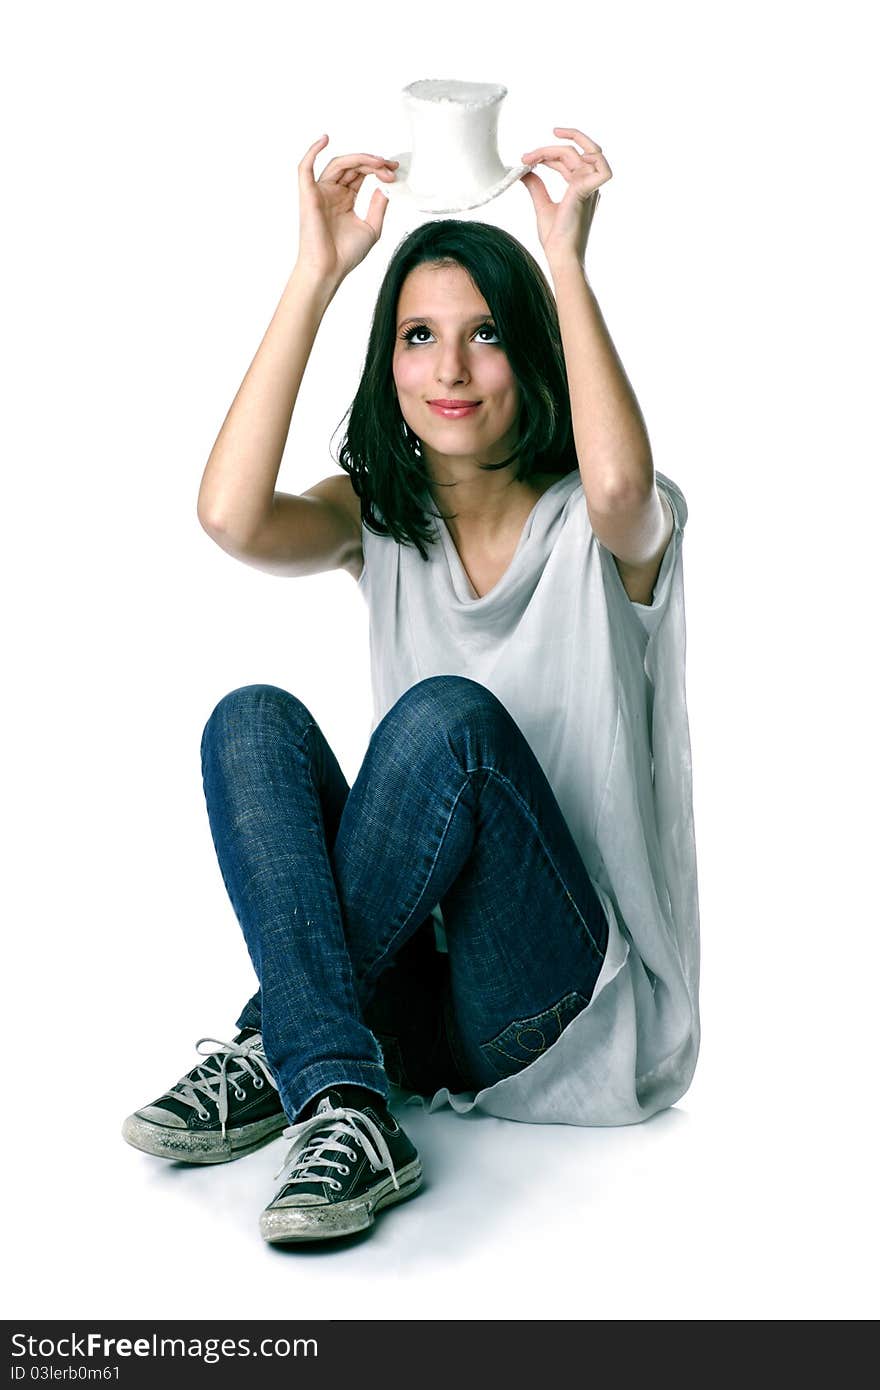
column 186, row 1146
column 284, row 1225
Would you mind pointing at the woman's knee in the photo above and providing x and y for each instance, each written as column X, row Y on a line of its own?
column 251, row 712
column 445, row 706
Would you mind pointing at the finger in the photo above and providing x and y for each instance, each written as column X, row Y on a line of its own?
column 533, row 155
column 585, row 166
column 564, row 166
column 357, row 176
column 538, row 191
column 376, row 211
column 368, row 163
column 361, row 158
column 578, row 135
column 307, row 163
column 573, row 160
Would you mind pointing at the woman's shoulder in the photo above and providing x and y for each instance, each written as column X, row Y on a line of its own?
column 340, row 491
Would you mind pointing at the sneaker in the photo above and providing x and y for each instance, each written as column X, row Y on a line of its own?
column 343, row 1166
column 198, row 1121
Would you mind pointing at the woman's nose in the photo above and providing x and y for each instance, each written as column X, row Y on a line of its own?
column 452, row 365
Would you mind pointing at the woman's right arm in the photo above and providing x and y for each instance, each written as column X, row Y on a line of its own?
column 238, row 505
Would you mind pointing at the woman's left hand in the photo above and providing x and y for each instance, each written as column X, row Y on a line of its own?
column 564, row 227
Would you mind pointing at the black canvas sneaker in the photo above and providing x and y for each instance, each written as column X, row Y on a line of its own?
column 225, row 1107
column 344, row 1165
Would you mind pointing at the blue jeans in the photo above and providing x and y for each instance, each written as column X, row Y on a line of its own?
column 333, row 888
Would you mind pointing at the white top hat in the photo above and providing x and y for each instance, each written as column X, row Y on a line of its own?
column 454, row 162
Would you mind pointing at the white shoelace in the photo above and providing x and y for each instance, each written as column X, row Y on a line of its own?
column 213, row 1077
column 311, row 1149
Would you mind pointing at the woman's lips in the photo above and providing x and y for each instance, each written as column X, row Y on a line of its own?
column 454, row 412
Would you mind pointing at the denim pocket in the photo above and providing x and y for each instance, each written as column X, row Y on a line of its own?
column 527, row 1038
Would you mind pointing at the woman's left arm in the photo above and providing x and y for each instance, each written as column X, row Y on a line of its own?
column 611, row 440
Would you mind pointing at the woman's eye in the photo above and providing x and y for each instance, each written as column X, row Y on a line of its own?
column 411, row 334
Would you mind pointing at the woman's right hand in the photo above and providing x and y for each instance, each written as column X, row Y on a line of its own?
column 332, row 239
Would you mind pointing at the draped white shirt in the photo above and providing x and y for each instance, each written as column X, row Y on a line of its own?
column 596, row 683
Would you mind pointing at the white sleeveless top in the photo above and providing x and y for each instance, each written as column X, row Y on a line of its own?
column 596, row 683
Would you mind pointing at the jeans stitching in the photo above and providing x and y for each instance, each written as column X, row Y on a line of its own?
column 326, row 867
column 383, row 951
column 299, row 741
column 515, row 794
column 494, row 1046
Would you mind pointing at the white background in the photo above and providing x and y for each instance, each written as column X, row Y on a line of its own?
column 150, row 227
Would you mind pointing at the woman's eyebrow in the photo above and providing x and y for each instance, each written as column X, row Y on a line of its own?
column 426, row 318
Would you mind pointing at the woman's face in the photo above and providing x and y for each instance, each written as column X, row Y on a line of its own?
column 446, row 349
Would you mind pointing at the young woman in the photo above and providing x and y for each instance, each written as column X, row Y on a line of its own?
column 501, row 911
